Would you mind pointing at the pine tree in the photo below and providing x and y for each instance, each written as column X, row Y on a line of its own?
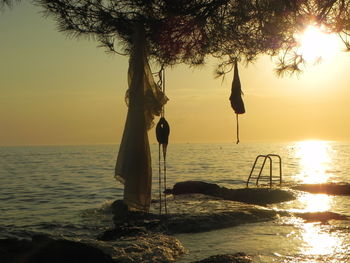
column 188, row 31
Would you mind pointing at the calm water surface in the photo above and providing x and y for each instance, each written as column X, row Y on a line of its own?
column 67, row 191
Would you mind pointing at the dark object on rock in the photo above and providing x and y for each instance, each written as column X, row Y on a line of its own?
column 129, row 223
column 43, row 249
column 322, row 217
column 327, row 188
column 258, row 196
column 228, row 258
column 122, row 215
column 120, row 210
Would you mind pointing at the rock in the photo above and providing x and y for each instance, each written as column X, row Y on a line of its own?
column 43, row 249
column 122, row 217
column 227, row 258
column 258, row 196
column 120, row 211
column 327, row 188
column 11, row 249
column 192, row 187
column 186, row 223
column 194, row 219
column 121, row 231
column 146, row 248
column 322, row 217
column 125, row 259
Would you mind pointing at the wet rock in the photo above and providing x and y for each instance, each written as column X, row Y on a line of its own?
column 227, row 258
column 126, row 219
column 11, row 249
column 121, row 231
column 42, row 249
column 326, row 188
column 206, row 222
column 322, row 217
column 201, row 214
column 258, row 196
column 191, row 187
column 120, row 211
column 125, row 259
column 147, row 248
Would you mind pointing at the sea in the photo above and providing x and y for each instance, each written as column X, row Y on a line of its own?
column 67, row 192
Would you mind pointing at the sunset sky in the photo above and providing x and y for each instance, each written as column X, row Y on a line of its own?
column 56, row 90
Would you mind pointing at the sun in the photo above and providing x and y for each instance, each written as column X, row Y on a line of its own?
column 316, row 44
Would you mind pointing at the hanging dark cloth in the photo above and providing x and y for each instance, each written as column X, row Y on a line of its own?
column 162, row 133
column 237, row 103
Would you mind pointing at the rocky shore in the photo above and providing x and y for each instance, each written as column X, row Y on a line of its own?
column 326, row 188
column 148, row 237
column 43, row 249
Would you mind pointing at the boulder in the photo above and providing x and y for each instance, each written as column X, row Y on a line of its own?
column 322, row 217
column 43, row 249
column 257, row 196
column 195, row 187
column 326, row 188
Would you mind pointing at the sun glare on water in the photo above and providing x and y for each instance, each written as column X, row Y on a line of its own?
column 319, row 242
column 316, row 44
column 315, row 163
column 315, row 160
column 316, row 202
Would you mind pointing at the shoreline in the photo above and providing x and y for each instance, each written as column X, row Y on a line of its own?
column 151, row 236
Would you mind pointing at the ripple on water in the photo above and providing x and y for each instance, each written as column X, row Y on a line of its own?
column 73, row 179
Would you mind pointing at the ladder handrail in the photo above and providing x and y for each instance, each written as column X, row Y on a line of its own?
column 280, row 162
column 268, row 156
column 262, row 168
column 251, row 172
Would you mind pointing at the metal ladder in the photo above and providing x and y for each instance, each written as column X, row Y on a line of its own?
column 268, row 156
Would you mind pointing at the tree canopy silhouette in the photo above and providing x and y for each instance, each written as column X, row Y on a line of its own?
column 184, row 31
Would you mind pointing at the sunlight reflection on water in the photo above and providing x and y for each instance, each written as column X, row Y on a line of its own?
column 315, row 160
column 318, row 242
column 314, row 203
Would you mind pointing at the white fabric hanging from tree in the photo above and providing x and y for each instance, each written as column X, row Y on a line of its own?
column 144, row 99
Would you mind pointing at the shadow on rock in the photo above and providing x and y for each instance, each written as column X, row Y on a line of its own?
column 42, row 249
column 227, row 258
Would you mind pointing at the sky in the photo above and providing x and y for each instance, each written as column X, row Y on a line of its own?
column 57, row 90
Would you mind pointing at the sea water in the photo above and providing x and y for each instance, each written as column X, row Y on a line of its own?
column 66, row 191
